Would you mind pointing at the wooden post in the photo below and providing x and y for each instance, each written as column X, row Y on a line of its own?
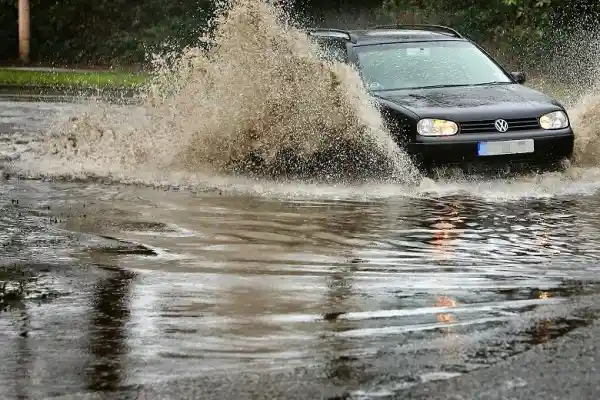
column 24, row 30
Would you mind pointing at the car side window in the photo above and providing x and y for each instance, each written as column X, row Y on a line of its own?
column 333, row 49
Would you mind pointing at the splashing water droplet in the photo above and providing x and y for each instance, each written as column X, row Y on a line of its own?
column 573, row 76
column 259, row 101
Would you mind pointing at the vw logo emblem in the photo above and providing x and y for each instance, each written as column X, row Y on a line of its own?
column 501, row 125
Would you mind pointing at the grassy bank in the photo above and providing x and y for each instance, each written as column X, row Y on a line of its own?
column 57, row 79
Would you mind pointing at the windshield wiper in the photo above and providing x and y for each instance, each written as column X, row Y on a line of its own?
column 418, row 87
column 490, row 83
column 442, row 86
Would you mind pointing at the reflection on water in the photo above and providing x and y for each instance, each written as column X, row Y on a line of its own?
column 108, row 336
column 375, row 294
column 447, row 317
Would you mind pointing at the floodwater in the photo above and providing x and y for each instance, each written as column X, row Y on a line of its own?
column 369, row 289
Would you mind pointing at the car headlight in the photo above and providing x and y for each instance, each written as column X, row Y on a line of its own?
column 436, row 127
column 554, row 120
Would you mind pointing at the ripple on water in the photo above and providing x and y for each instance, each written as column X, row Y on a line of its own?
column 267, row 282
column 355, row 287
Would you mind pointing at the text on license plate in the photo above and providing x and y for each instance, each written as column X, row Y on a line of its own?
column 497, row 148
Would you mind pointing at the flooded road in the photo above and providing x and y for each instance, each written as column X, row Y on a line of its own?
column 370, row 290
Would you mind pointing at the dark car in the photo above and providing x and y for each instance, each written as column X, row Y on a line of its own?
column 447, row 102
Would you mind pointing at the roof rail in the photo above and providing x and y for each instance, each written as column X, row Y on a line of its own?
column 425, row 27
column 345, row 34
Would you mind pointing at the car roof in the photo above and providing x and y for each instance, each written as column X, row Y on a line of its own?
column 390, row 34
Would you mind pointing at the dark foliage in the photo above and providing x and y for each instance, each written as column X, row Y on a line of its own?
column 120, row 32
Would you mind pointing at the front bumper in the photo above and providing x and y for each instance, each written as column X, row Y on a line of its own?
column 550, row 147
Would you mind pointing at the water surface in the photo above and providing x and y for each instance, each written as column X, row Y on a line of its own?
column 373, row 289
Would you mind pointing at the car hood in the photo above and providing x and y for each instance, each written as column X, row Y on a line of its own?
column 466, row 103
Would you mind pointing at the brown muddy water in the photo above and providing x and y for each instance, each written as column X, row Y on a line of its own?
column 131, row 254
column 374, row 288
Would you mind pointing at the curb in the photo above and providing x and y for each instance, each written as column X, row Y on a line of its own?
column 17, row 93
column 66, row 90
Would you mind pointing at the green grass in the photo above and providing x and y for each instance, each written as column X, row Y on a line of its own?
column 71, row 79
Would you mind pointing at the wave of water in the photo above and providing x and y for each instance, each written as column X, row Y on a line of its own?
column 261, row 102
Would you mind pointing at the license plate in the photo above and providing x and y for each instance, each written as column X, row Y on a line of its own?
column 497, row 148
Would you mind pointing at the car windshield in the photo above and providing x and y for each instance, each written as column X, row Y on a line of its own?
column 426, row 64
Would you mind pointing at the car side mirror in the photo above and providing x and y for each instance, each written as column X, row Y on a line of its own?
column 519, row 77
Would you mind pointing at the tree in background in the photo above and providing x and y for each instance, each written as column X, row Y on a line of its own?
column 523, row 33
column 532, row 33
column 102, row 31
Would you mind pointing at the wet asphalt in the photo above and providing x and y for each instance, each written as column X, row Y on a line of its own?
column 564, row 368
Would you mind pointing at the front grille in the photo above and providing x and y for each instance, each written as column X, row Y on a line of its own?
column 515, row 124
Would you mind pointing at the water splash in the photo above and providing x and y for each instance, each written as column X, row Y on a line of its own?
column 573, row 77
column 260, row 102
column 586, row 123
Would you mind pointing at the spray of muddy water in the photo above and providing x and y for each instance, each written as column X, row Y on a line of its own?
column 260, row 101
column 574, row 69
column 586, row 122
